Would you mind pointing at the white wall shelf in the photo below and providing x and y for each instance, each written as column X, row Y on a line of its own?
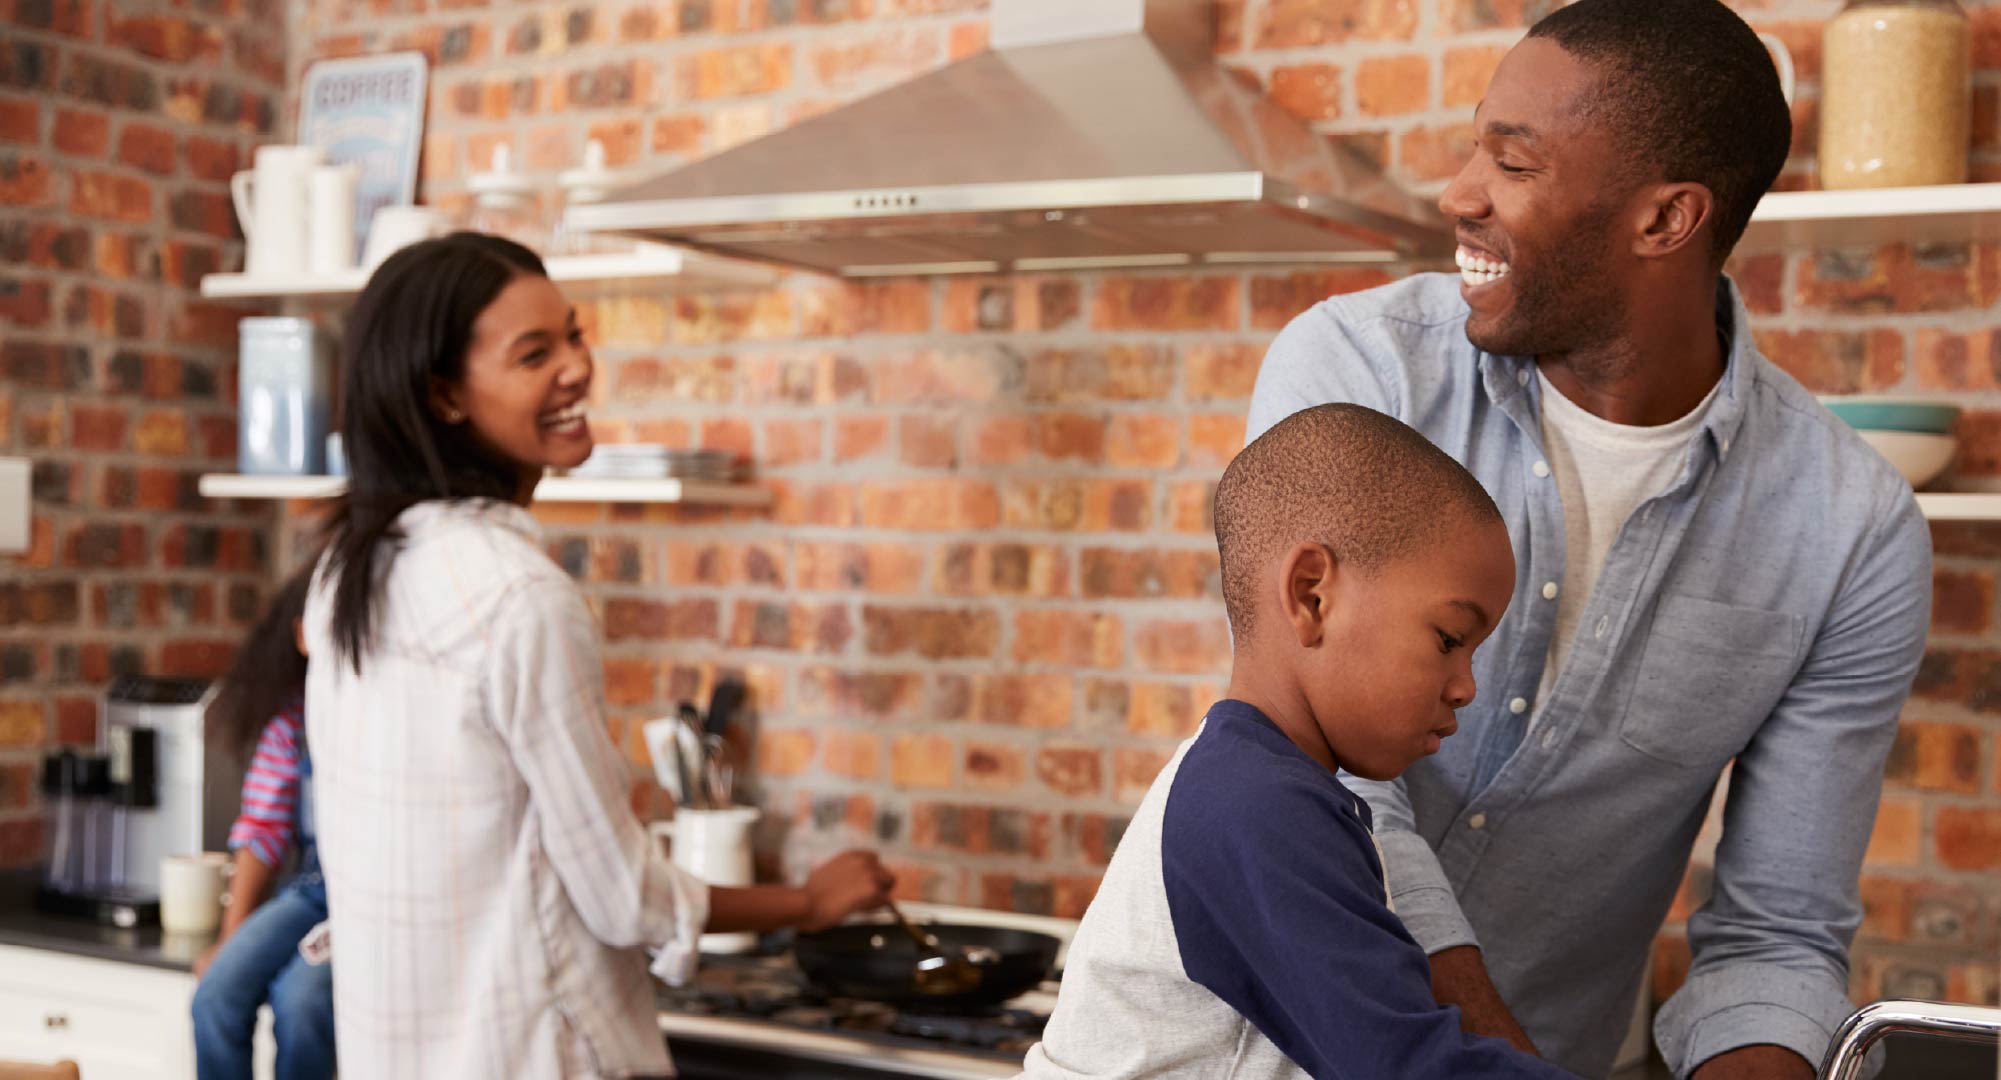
column 1825, row 220
column 1958, row 506
column 655, row 265
column 552, row 489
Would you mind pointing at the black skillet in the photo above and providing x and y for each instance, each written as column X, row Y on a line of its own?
column 878, row 963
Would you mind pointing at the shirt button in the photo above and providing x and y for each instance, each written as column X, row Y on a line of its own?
column 1518, row 706
column 1548, row 737
column 1549, row 590
column 1726, row 446
column 1540, row 468
column 1477, row 821
column 1522, row 377
column 1604, row 623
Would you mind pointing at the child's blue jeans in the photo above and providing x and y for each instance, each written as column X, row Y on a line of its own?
column 259, row 963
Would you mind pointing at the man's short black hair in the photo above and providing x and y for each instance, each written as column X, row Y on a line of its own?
column 1365, row 484
column 1691, row 93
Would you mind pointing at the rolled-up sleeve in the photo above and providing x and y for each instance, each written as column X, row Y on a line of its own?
column 1419, row 890
column 545, row 689
column 1770, row 948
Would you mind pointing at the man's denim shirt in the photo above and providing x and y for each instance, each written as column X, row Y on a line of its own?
column 1768, row 608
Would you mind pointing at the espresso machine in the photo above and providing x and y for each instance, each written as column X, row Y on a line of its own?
column 151, row 787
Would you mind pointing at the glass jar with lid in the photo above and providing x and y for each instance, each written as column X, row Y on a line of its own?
column 504, row 204
column 1896, row 89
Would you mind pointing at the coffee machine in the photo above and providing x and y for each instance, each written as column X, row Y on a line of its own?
column 152, row 787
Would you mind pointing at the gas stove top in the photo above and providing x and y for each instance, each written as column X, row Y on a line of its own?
column 762, row 1005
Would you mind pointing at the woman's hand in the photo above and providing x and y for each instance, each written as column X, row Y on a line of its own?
column 848, row 883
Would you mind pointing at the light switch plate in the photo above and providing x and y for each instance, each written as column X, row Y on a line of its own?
column 15, row 505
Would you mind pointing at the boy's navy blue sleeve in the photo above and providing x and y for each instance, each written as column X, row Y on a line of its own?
column 1278, row 909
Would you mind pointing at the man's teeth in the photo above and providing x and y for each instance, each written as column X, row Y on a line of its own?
column 1476, row 268
column 564, row 416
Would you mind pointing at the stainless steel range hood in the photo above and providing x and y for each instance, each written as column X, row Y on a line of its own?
column 1098, row 133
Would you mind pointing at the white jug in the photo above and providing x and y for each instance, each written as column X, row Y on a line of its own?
column 330, row 235
column 273, row 206
column 714, row 845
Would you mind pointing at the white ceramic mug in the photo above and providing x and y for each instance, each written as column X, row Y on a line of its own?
column 397, row 227
column 273, row 207
column 191, row 888
column 714, row 845
column 330, row 233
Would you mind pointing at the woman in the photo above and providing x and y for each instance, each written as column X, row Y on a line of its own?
column 490, row 888
column 256, row 958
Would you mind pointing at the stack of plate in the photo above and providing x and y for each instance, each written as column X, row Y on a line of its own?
column 1915, row 436
column 650, row 461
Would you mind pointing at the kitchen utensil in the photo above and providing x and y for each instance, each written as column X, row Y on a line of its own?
column 330, row 230
column 688, row 737
column 1920, row 457
column 271, row 206
column 1865, row 413
column 663, row 746
column 875, row 962
column 936, row 971
column 715, row 846
column 284, row 379
column 723, row 704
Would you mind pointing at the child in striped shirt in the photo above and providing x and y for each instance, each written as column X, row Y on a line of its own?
column 257, row 957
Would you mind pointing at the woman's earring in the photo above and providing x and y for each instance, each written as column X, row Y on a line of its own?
column 453, row 416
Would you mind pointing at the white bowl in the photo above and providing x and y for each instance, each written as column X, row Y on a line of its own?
column 1921, row 458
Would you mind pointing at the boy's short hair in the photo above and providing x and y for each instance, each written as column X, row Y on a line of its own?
column 1366, row 485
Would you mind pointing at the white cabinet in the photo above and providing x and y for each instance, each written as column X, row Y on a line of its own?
column 116, row 1021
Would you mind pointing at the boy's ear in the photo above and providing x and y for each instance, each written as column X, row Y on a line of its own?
column 1307, row 591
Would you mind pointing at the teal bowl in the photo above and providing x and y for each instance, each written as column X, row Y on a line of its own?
column 1893, row 414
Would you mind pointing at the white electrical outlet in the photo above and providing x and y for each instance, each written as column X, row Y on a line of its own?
column 15, row 505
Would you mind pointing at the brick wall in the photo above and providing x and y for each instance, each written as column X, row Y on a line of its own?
column 984, row 607
column 120, row 123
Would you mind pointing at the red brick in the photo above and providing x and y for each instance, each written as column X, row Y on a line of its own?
column 24, row 304
column 966, row 39
column 1079, row 505
column 1308, row 91
column 785, row 752
column 1286, row 24
column 1962, row 601
column 1168, row 303
column 623, row 138
column 791, row 442
column 1166, row 710
column 1222, row 372
column 1001, row 440
column 826, row 692
column 1140, row 573
column 875, row 568
column 858, row 438
column 734, row 72
column 1111, row 373
column 1185, row 647
column 855, row 755
column 148, row 148
column 933, row 633
column 929, row 504
column 82, row 132
column 1969, row 838
column 993, row 767
column 1073, row 772
column 1490, row 14
column 1393, row 85
column 932, row 377
column 162, row 432
column 1277, row 299
column 1761, row 279
column 23, row 723
column 1031, row 701
column 928, row 442
column 1944, row 360
column 630, row 618
column 895, row 54
column 922, row 761
column 1075, row 437
column 1837, row 361
column 196, row 659
column 680, row 134
column 1143, row 441
column 1434, row 153
column 1007, row 568
column 1900, row 280
column 1215, row 438
column 1467, row 72
column 25, row 182
column 97, row 427
column 630, row 681
column 111, row 197
column 1069, row 638
column 1133, row 771
column 1979, row 443
column 20, row 120
column 1899, row 829
column 728, row 433
column 1937, row 757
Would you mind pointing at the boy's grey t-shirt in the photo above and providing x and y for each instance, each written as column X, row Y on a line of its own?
column 1242, row 932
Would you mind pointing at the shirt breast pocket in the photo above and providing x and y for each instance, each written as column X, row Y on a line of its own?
column 1710, row 676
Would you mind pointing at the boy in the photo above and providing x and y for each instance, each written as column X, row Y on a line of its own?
column 1243, row 928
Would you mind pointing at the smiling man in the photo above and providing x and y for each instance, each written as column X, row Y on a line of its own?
column 1710, row 568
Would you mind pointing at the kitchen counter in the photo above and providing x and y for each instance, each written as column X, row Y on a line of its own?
column 21, row 924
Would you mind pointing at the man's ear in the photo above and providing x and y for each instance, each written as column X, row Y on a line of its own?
column 1306, row 591
column 1673, row 217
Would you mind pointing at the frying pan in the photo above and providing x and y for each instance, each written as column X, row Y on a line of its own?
column 876, row 963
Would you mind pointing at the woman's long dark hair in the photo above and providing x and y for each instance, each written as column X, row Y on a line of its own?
column 411, row 326
column 268, row 673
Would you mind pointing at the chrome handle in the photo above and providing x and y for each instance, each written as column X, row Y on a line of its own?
column 1871, row 1022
